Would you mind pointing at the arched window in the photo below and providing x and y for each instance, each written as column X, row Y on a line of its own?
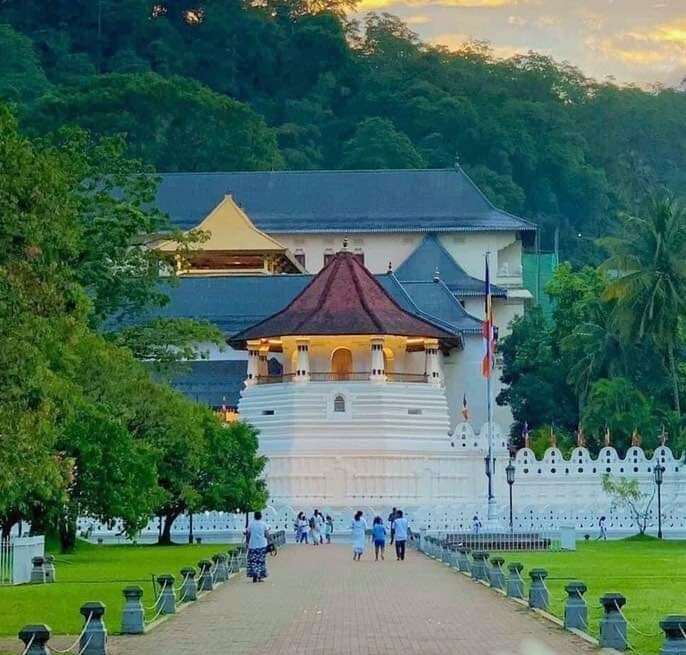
column 341, row 364
column 339, row 404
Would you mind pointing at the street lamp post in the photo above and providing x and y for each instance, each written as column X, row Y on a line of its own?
column 659, row 471
column 510, row 472
column 190, row 527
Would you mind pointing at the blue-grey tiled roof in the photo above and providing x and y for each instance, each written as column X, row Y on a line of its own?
column 435, row 299
column 215, row 383
column 431, row 256
column 236, row 302
column 444, row 200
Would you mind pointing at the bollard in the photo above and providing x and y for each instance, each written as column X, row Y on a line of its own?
column 189, row 588
column 495, row 573
column 49, row 567
column 613, row 624
column 38, row 570
column 463, row 559
column 93, row 639
column 221, row 572
column 674, row 627
column 479, row 559
column 35, row 638
column 538, row 593
column 133, row 616
column 205, row 582
column 167, row 601
column 576, row 612
column 515, row 584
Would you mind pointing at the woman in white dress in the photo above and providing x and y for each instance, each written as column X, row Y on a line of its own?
column 359, row 534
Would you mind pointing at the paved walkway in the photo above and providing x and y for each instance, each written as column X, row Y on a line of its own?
column 320, row 602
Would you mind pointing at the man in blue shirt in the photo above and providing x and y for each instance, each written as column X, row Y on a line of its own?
column 401, row 531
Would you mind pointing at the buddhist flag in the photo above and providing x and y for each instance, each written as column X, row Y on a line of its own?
column 663, row 436
column 487, row 329
column 465, row 408
column 607, row 436
column 553, row 436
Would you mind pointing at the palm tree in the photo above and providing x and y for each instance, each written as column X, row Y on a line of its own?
column 647, row 269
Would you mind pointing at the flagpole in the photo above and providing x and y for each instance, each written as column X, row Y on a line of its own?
column 489, row 394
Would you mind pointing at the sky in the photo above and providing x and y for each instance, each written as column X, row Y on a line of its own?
column 632, row 41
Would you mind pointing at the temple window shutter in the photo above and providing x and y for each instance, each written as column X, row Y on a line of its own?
column 339, row 404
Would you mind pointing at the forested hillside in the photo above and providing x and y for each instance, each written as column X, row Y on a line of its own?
column 240, row 84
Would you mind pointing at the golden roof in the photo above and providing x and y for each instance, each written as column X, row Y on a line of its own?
column 229, row 228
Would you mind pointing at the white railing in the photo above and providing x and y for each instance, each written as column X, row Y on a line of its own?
column 16, row 554
column 6, row 561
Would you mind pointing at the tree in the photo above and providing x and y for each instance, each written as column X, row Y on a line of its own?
column 377, row 144
column 628, row 495
column 648, row 265
column 174, row 124
column 21, row 76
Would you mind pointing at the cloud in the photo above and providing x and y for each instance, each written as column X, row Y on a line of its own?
column 518, row 21
column 456, row 41
column 372, row 5
column 417, row 20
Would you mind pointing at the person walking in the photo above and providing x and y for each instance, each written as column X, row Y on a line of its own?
column 391, row 520
column 329, row 528
column 321, row 525
column 359, row 532
column 603, row 529
column 257, row 535
column 379, row 536
column 476, row 525
column 312, row 524
column 302, row 528
column 401, row 532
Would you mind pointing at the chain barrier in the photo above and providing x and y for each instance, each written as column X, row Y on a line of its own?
column 154, row 605
column 85, row 646
column 183, row 582
column 78, row 639
column 633, row 627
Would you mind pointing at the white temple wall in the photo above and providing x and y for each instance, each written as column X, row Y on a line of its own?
column 378, row 249
column 462, row 376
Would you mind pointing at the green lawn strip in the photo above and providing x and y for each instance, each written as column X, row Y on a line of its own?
column 95, row 573
column 650, row 574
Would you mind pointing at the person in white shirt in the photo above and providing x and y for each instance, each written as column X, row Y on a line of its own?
column 358, row 529
column 257, row 537
column 401, row 533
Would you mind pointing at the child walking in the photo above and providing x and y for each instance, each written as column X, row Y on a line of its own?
column 379, row 535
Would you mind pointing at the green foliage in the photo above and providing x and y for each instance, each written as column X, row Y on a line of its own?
column 588, row 366
column 187, row 85
column 628, row 495
column 86, row 430
column 377, row 144
column 21, row 76
column 165, row 341
column 171, row 123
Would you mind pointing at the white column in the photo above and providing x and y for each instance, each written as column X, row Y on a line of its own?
column 253, row 363
column 433, row 367
column 302, row 364
column 378, row 374
column 263, row 363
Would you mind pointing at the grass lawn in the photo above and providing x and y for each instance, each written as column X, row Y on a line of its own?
column 650, row 574
column 95, row 573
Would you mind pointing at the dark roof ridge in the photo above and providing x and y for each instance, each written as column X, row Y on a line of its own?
column 300, row 171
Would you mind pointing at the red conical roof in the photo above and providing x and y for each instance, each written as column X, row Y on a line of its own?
column 343, row 298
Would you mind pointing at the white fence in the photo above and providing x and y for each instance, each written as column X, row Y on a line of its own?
column 15, row 558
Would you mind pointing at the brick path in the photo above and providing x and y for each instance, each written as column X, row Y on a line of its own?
column 319, row 602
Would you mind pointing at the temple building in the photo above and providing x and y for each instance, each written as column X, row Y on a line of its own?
column 360, row 401
column 422, row 234
column 228, row 243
